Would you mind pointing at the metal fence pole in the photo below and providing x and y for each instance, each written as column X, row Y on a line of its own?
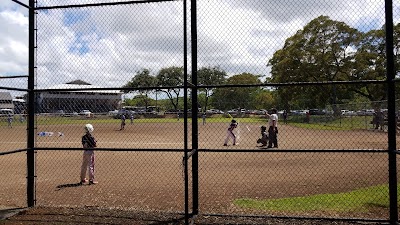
column 195, row 138
column 185, row 132
column 31, row 109
column 391, row 113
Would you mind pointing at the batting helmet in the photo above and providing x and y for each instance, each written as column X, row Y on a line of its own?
column 263, row 128
column 89, row 128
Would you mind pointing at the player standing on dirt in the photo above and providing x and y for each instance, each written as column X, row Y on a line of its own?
column 273, row 129
column 9, row 120
column 122, row 122
column 88, row 143
column 131, row 117
column 230, row 134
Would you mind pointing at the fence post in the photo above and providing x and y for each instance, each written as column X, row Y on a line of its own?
column 31, row 110
column 185, row 133
column 195, row 138
column 390, row 73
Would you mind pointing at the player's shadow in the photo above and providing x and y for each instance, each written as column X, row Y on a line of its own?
column 62, row 186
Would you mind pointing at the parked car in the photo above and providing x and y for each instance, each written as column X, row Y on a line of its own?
column 125, row 112
column 294, row 112
column 346, row 112
column 317, row 112
column 59, row 113
column 262, row 112
column 85, row 112
column 214, row 111
column 365, row 112
column 233, row 111
column 113, row 113
column 6, row 112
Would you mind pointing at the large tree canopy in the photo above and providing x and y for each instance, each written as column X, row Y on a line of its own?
column 142, row 79
column 322, row 51
column 168, row 78
column 209, row 76
column 237, row 97
column 327, row 50
column 370, row 63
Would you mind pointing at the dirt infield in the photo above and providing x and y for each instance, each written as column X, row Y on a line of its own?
column 153, row 180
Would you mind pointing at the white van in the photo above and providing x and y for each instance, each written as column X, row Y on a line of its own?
column 6, row 112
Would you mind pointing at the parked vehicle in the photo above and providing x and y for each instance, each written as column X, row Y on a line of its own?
column 365, row 112
column 262, row 112
column 125, row 112
column 113, row 113
column 317, row 112
column 85, row 112
column 214, row 111
column 233, row 111
column 346, row 112
column 6, row 112
column 59, row 113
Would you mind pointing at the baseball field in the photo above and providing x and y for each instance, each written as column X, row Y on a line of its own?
column 152, row 179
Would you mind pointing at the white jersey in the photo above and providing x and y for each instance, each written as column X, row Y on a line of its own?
column 272, row 118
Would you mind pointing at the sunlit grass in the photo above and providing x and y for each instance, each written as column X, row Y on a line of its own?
column 340, row 123
column 360, row 200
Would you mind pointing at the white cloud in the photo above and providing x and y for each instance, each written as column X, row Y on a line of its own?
column 14, row 43
column 107, row 45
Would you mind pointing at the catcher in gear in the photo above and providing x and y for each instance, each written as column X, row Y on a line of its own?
column 264, row 137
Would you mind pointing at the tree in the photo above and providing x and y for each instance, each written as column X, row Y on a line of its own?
column 142, row 79
column 264, row 99
column 319, row 52
column 209, row 76
column 141, row 101
column 170, row 78
column 370, row 63
column 237, row 97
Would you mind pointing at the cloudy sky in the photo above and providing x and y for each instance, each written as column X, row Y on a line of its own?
column 106, row 46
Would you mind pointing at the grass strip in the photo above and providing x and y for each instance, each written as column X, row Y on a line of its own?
column 360, row 200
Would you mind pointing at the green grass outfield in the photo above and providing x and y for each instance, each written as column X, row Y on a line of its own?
column 360, row 200
column 343, row 123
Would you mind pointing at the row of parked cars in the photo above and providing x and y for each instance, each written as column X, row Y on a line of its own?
column 343, row 112
column 365, row 112
column 237, row 111
column 84, row 112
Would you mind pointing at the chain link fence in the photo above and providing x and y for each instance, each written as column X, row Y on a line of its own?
column 161, row 121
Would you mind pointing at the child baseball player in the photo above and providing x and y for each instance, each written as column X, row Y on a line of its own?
column 230, row 134
column 9, row 120
column 88, row 143
column 122, row 122
column 264, row 137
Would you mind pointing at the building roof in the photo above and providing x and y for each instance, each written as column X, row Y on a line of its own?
column 5, row 96
column 6, row 100
column 79, row 84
